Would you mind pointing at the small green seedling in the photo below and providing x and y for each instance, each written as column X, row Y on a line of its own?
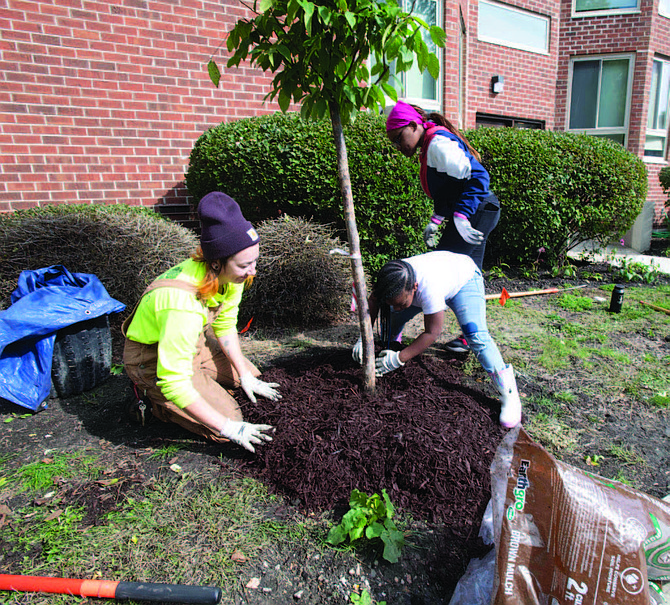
column 594, row 460
column 371, row 516
column 363, row 599
column 116, row 369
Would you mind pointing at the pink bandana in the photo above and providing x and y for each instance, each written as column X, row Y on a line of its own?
column 402, row 114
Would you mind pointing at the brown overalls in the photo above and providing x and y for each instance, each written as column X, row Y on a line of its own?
column 211, row 369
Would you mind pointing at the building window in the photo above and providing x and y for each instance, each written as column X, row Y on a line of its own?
column 489, row 119
column 657, row 115
column 596, row 7
column 664, row 8
column 513, row 27
column 600, row 90
column 416, row 87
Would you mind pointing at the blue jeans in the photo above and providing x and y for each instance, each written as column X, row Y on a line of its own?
column 469, row 306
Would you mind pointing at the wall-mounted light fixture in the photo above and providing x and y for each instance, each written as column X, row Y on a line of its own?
column 497, row 83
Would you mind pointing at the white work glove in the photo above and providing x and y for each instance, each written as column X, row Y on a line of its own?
column 244, row 433
column 466, row 230
column 250, row 385
column 357, row 351
column 387, row 362
column 430, row 235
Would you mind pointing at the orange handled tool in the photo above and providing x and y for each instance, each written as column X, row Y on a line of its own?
column 105, row 589
column 655, row 307
column 504, row 296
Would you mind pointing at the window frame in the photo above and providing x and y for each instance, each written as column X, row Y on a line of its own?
column 666, row 12
column 610, row 130
column 506, row 43
column 603, row 12
column 427, row 104
column 664, row 132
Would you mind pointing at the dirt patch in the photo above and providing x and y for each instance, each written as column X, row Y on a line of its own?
column 427, row 437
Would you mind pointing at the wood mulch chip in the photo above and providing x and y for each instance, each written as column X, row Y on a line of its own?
column 423, row 436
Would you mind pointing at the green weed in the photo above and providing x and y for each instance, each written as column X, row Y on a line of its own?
column 570, row 302
column 554, row 434
column 372, row 517
column 626, row 455
column 39, row 475
column 364, row 598
column 660, row 400
column 631, row 271
column 497, row 272
column 566, row 396
column 166, row 452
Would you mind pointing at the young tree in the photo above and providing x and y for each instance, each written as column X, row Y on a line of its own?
column 335, row 57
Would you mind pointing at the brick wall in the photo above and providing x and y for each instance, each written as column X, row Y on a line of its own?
column 642, row 34
column 530, row 78
column 101, row 102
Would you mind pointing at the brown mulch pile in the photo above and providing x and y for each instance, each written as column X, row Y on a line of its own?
column 423, row 436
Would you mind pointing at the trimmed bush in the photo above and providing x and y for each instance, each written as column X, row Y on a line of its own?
column 126, row 247
column 557, row 190
column 281, row 164
column 664, row 179
column 299, row 283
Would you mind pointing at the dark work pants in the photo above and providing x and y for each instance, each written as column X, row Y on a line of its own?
column 485, row 220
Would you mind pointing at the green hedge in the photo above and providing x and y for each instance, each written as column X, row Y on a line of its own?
column 558, row 189
column 280, row 164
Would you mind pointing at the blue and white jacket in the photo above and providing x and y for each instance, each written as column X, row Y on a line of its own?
column 450, row 175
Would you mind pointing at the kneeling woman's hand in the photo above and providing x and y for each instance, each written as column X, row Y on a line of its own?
column 251, row 384
column 387, row 362
column 244, row 433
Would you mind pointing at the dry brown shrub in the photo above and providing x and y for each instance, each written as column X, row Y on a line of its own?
column 299, row 283
column 124, row 246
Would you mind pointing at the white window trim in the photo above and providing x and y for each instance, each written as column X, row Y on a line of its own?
column 506, row 43
column 659, row 132
column 603, row 131
column 662, row 12
column 603, row 12
column 428, row 105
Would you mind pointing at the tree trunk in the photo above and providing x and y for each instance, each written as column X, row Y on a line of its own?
column 355, row 252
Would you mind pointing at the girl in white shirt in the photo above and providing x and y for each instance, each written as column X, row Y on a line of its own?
column 428, row 284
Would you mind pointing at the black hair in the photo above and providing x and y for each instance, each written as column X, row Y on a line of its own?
column 394, row 277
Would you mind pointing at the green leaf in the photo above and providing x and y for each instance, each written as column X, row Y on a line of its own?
column 309, row 12
column 438, row 36
column 284, row 100
column 434, row 66
column 325, row 14
column 336, row 535
column 214, row 73
column 266, row 5
column 374, row 531
column 391, row 548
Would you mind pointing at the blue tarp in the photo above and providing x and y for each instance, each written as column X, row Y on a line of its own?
column 45, row 301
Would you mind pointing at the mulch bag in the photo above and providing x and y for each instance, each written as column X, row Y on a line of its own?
column 565, row 536
column 45, row 301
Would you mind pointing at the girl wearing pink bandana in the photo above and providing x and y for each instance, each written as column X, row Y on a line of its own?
column 453, row 177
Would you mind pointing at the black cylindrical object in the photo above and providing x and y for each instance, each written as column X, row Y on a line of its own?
column 617, row 299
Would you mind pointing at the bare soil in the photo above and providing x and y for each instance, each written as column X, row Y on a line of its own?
column 427, row 436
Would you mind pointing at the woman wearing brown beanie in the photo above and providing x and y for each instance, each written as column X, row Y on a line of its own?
column 181, row 340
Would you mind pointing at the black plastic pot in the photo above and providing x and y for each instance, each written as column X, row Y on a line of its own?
column 82, row 357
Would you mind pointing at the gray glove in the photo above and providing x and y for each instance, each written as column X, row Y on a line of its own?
column 357, row 351
column 387, row 362
column 244, row 433
column 250, row 385
column 430, row 235
column 466, row 230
